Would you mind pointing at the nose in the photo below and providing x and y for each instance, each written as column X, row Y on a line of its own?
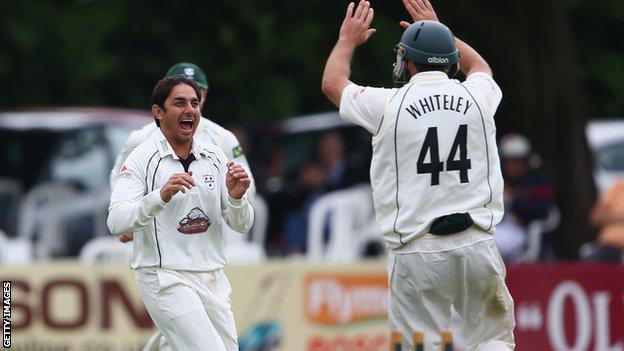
column 188, row 107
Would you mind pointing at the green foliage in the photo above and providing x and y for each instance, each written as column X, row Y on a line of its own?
column 264, row 59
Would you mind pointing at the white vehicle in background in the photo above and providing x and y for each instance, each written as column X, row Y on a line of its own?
column 606, row 141
column 54, row 168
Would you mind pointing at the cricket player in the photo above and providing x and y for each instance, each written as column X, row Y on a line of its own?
column 208, row 132
column 178, row 194
column 436, row 178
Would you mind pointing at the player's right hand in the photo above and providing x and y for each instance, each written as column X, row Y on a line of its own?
column 177, row 182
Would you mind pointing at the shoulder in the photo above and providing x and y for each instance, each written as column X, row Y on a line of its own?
column 212, row 151
column 143, row 152
column 140, row 135
column 483, row 82
column 215, row 128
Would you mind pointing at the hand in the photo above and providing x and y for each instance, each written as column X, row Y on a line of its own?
column 177, row 182
column 419, row 10
column 356, row 25
column 237, row 180
column 126, row 237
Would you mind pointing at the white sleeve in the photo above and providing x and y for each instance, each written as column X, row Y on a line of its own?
column 363, row 106
column 489, row 91
column 130, row 208
column 238, row 213
column 234, row 152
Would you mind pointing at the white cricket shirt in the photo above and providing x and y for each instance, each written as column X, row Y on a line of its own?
column 434, row 153
column 207, row 132
column 185, row 233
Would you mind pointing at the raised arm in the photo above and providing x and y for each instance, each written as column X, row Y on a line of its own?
column 355, row 31
column 469, row 60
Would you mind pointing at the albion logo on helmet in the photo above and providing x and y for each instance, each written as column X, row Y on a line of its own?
column 438, row 60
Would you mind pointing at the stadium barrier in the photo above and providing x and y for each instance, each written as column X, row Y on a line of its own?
column 303, row 306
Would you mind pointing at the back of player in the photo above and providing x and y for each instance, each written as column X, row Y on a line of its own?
column 436, row 179
column 449, row 126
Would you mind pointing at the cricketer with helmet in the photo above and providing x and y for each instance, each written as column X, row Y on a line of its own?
column 436, row 177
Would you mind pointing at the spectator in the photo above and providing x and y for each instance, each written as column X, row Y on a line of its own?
column 608, row 216
column 331, row 170
column 529, row 196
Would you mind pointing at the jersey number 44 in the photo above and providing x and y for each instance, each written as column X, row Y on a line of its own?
column 435, row 166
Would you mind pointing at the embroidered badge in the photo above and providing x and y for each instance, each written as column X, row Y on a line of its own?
column 195, row 222
column 237, row 151
column 209, row 179
column 189, row 72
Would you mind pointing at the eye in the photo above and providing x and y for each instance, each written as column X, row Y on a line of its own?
column 195, row 103
column 178, row 103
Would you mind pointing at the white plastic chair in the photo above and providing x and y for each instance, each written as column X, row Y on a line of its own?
column 106, row 249
column 261, row 220
column 351, row 222
column 535, row 233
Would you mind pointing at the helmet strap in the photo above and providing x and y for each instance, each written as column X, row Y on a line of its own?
column 399, row 71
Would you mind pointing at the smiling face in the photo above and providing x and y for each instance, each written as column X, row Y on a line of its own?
column 179, row 116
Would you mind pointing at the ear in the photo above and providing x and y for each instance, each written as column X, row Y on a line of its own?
column 157, row 112
column 411, row 68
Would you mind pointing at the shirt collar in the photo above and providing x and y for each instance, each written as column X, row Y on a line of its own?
column 429, row 77
column 164, row 148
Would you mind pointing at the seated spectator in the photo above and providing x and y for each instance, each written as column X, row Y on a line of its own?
column 529, row 196
column 608, row 216
column 330, row 170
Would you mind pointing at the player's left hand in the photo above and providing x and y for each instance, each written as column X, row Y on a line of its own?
column 237, row 180
column 420, row 10
column 356, row 25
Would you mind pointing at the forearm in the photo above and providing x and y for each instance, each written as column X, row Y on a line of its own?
column 240, row 215
column 338, row 70
column 127, row 216
column 470, row 61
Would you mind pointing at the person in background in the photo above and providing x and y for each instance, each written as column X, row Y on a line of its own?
column 529, row 196
column 608, row 216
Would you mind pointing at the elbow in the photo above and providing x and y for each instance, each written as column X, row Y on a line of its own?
column 113, row 223
column 327, row 86
column 332, row 89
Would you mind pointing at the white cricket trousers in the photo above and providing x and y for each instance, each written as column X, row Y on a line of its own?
column 191, row 309
column 424, row 285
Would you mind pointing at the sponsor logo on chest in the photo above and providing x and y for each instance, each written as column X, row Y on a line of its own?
column 195, row 222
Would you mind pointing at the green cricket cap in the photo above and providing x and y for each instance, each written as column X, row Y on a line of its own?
column 190, row 71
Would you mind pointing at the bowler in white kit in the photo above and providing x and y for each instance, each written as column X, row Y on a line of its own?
column 177, row 194
column 436, row 178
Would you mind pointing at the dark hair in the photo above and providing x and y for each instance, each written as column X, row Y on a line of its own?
column 163, row 89
column 429, row 68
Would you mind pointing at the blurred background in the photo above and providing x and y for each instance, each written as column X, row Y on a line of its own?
column 77, row 77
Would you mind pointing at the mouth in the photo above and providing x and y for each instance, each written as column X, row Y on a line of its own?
column 186, row 124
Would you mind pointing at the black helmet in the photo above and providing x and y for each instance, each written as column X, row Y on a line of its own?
column 428, row 43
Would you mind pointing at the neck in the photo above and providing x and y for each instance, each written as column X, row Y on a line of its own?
column 181, row 148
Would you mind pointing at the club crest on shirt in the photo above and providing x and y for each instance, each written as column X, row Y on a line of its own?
column 195, row 222
column 125, row 172
column 209, row 179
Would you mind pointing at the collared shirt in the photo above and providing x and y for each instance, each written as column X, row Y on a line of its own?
column 434, row 153
column 207, row 132
column 186, row 232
